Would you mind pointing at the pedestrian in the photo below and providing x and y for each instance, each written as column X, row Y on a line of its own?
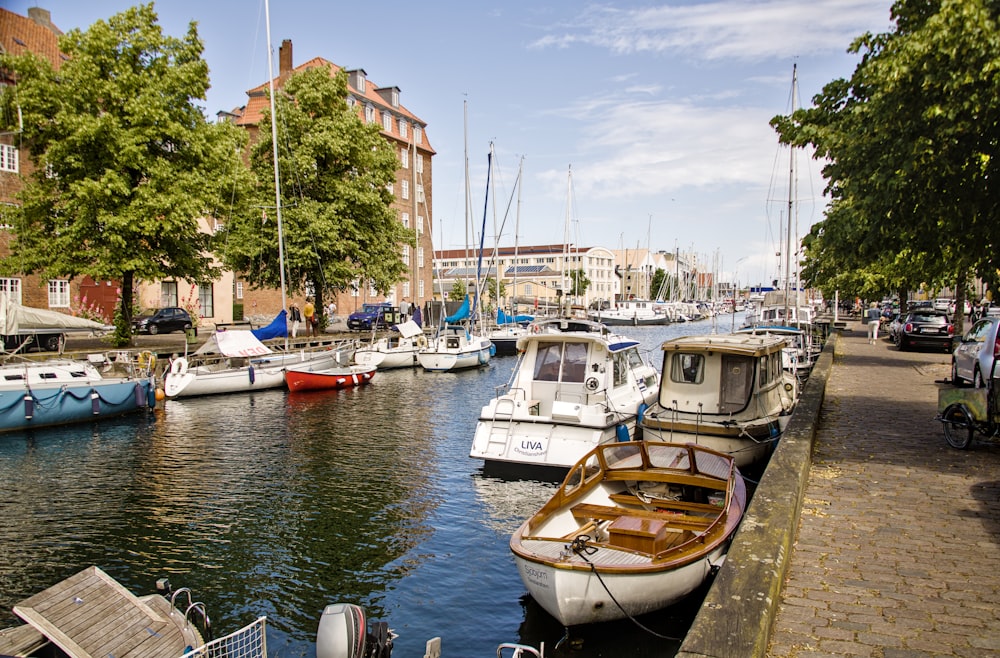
column 296, row 319
column 874, row 317
column 310, row 317
column 404, row 309
column 331, row 312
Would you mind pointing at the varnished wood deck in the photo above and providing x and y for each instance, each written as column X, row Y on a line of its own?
column 91, row 615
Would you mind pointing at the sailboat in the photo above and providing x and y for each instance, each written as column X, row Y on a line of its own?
column 456, row 346
column 236, row 360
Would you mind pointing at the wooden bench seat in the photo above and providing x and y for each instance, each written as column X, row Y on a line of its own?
column 673, row 478
column 663, row 503
column 610, row 513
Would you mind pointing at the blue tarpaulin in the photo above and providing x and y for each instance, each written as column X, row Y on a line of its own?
column 277, row 328
column 504, row 318
column 461, row 314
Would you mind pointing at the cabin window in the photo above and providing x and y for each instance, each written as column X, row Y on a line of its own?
column 571, row 356
column 687, row 368
column 575, row 362
column 737, row 382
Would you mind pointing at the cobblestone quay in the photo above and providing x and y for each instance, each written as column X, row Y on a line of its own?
column 897, row 548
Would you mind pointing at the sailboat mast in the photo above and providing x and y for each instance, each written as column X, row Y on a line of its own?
column 791, row 201
column 569, row 203
column 517, row 228
column 274, row 147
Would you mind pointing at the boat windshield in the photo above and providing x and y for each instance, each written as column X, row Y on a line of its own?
column 561, row 361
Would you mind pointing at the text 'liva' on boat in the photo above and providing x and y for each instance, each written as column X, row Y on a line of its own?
column 576, row 385
column 729, row 393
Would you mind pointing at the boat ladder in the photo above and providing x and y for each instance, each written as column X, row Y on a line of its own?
column 499, row 438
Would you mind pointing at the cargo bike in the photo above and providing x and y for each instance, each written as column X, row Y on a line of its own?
column 964, row 412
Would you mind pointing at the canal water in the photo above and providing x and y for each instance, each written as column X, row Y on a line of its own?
column 279, row 504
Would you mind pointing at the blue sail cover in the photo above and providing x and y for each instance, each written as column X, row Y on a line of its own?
column 277, row 328
column 504, row 318
column 461, row 314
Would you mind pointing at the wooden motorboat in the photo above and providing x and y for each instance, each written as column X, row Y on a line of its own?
column 576, row 385
column 306, row 378
column 729, row 393
column 635, row 527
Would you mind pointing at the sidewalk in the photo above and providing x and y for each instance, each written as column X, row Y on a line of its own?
column 898, row 547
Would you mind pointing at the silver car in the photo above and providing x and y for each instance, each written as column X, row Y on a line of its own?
column 972, row 360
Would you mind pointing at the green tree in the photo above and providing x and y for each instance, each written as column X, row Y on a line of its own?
column 911, row 140
column 495, row 290
column 579, row 283
column 457, row 292
column 126, row 162
column 337, row 221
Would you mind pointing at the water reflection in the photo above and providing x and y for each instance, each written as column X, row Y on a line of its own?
column 279, row 504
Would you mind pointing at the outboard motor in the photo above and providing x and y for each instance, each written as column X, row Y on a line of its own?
column 343, row 633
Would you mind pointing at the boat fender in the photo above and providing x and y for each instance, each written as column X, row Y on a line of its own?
column 493, row 350
column 641, row 413
column 29, row 406
column 592, row 383
column 140, row 397
column 95, row 402
column 621, row 433
column 252, row 374
column 151, row 395
column 421, row 342
column 342, row 632
column 535, row 328
column 179, row 367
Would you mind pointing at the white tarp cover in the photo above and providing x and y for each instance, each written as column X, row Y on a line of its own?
column 234, row 342
column 409, row 329
column 15, row 318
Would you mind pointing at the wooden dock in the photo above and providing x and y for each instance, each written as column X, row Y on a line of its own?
column 91, row 615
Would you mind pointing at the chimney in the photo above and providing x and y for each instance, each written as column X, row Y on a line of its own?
column 43, row 17
column 285, row 58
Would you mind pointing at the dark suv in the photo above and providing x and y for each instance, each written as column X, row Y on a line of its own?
column 162, row 321
column 379, row 316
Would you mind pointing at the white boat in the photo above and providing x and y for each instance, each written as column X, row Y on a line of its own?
column 394, row 351
column 799, row 354
column 455, row 348
column 632, row 312
column 234, row 361
column 634, row 527
column 728, row 392
column 576, row 385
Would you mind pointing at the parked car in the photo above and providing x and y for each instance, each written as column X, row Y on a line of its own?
column 926, row 328
column 379, row 316
column 28, row 342
column 162, row 321
column 972, row 360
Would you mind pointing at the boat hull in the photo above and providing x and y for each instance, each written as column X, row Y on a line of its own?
column 443, row 361
column 577, row 597
column 204, row 381
column 385, row 360
column 64, row 404
column 322, row 380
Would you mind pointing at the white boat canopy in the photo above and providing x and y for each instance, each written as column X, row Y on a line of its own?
column 14, row 318
column 234, row 342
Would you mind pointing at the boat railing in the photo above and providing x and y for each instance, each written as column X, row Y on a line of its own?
column 520, row 650
column 248, row 642
column 191, row 608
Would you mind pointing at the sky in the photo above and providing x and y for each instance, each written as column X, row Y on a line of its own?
column 636, row 124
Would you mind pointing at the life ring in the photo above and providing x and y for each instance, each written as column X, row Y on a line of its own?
column 179, row 367
column 592, row 383
column 535, row 328
column 422, row 342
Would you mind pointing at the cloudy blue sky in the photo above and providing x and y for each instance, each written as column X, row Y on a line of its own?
column 660, row 108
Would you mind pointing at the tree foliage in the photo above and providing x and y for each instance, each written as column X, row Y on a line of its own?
column 911, row 142
column 126, row 162
column 337, row 223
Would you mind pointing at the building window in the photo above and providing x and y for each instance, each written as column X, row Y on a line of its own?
column 168, row 293
column 528, row 289
column 239, row 290
column 369, row 114
column 351, row 101
column 403, row 128
column 406, row 289
column 406, row 255
column 392, row 188
column 420, row 289
column 406, row 189
column 420, row 193
column 12, row 288
column 8, row 158
column 58, row 293
column 420, row 224
column 418, row 134
column 206, row 298
column 404, row 158
column 420, row 163
column 406, row 220
column 420, row 257
column 395, row 98
column 355, row 288
column 387, row 122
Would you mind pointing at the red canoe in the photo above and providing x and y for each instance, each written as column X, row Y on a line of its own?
column 337, row 377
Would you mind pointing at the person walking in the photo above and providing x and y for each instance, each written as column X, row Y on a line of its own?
column 310, row 317
column 874, row 318
column 404, row 310
column 296, row 316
